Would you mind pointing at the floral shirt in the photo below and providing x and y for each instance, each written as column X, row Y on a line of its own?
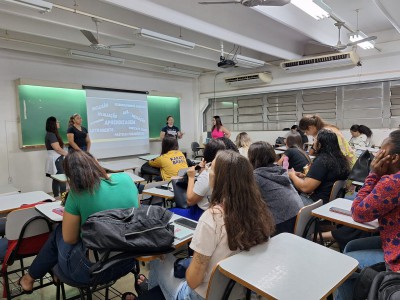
column 379, row 199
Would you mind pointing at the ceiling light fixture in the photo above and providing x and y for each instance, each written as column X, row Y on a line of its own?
column 96, row 57
column 165, row 38
column 315, row 8
column 248, row 62
column 41, row 6
column 359, row 35
column 182, row 72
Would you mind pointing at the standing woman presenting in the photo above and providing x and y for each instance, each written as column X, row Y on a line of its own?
column 170, row 129
column 218, row 130
column 78, row 137
column 55, row 154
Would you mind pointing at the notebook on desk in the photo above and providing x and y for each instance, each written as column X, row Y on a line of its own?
column 181, row 232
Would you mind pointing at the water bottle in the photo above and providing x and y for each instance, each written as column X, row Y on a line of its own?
column 285, row 164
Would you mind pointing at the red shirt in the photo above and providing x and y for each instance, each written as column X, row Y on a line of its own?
column 379, row 199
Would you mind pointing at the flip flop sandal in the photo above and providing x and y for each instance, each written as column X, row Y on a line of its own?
column 125, row 295
column 143, row 287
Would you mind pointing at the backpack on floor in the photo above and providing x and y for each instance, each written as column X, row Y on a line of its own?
column 386, row 286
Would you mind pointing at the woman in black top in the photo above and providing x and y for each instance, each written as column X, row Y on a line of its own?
column 55, row 154
column 298, row 159
column 329, row 166
column 170, row 129
column 78, row 137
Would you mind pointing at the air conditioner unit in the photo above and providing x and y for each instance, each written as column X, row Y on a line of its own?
column 249, row 79
column 344, row 59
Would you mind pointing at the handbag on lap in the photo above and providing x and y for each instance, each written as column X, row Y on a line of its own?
column 362, row 166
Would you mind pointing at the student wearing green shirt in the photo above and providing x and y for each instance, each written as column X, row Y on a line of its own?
column 91, row 190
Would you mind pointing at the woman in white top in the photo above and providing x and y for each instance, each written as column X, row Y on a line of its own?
column 243, row 143
column 360, row 136
column 227, row 227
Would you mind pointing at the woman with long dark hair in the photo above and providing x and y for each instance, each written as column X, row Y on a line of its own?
column 91, row 190
column 360, row 136
column 171, row 159
column 55, row 154
column 329, row 166
column 311, row 125
column 236, row 220
column 218, row 130
column 275, row 186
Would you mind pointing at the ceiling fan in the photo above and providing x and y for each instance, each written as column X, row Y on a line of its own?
column 340, row 45
column 251, row 3
column 94, row 40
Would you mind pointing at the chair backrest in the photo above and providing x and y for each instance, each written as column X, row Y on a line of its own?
column 182, row 172
column 194, row 146
column 303, row 218
column 17, row 219
column 337, row 188
column 219, row 285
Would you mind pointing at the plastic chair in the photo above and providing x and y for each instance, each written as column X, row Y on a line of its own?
column 337, row 190
column 104, row 265
column 305, row 221
column 27, row 231
column 195, row 146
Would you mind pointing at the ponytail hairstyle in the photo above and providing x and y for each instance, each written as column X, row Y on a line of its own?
column 51, row 126
column 365, row 130
column 71, row 120
column 314, row 120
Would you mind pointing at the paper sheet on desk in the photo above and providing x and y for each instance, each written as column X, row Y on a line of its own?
column 181, row 232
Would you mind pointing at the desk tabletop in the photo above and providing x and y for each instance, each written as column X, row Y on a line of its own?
column 8, row 189
column 166, row 194
column 149, row 157
column 11, row 202
column 135, row 177
column 289, row 267
column 324, row 212
column 358, row 183
column 279, row 152
column 283, row 148
column 119, row 166
column 46, row 209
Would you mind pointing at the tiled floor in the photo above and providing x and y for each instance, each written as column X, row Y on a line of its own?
column 125, row 284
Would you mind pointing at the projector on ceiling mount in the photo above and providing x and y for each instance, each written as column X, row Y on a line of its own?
column 225, row 63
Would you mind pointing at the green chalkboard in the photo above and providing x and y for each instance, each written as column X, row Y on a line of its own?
column 37, row 103
column 159, row 108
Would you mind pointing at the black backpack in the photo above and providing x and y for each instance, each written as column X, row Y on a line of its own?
column 144, row 230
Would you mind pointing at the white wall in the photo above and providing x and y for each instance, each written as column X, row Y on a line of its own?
column 25, row 168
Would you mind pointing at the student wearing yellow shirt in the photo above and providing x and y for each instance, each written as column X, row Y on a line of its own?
column 171, row 159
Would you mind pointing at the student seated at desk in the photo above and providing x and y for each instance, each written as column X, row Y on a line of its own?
column 91, row 191
column 298, row 159
column 275, row 187
column 243, row 143
column 236, row 220
column 199, row 192
column 329, row 166
column 360, row 136
column 171, row 159
column 378, row 199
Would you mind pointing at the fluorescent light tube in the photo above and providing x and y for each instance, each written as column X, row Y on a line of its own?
column 248, row 62
column 359, row 35
column 165, row 38
column 96, row 57
column 182, row 72
column 39, row 5
column 315, row 8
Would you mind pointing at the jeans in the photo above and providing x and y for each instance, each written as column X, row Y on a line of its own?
column 72, row 261
column 367, row 251
column 162, row 274
column 59, row 187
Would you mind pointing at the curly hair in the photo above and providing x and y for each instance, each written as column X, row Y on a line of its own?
column 328, row 150
column 248, row 220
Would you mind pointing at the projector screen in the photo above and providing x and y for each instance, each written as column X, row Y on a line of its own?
column 118, row 123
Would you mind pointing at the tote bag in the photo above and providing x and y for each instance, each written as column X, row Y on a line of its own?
column 362, row 166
